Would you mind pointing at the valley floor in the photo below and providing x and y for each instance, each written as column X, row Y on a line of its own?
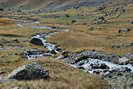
column 77, row 30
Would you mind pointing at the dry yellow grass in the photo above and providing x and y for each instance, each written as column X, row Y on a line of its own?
column 99, row 37
column 81, row 36
column 6, row 21
column 62, row 76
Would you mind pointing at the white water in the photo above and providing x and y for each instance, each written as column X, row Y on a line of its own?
column 49, row 46
column 87, row 65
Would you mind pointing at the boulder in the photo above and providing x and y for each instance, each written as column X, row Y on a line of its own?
column 40, row 39
column 1, row 9
column 29, row 72
column 36, row 41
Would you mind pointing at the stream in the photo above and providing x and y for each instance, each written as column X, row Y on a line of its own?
column 110, row 67
column 41, row 40
column 91, row 65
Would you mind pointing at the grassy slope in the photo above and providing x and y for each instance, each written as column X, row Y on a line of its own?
column 54, row 4
column 62, row 76
column 47, row 4
column 84, row 35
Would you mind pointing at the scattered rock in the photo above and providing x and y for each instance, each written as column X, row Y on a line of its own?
column 22, row 87
column 29, row 72
column 129, row 56
column 73, row 21
column 118, row 46
column 76, row 57
column 120, row 80
column 124, row 30
column 33, row 54
column 100, row 20
column 16, row 88
column 43, row 27
column 100, row 8
column 103, row 68
column 98, row 62
column 129, row 45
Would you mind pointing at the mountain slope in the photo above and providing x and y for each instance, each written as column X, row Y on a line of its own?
column 55, row 4
column 49, row 4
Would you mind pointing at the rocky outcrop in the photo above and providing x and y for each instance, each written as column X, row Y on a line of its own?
column 29, row 72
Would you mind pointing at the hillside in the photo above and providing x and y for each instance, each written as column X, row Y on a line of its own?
column 81, row 44
column 48, row 4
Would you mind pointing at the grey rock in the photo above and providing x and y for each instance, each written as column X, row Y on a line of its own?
column 42, row 27
column 120, row 46
column 36, row 41
column 101, row 67
column 40, row 39
column 124, row 30
column 120, row 81
column 76, row 57
column 131, row 22
column 24, row 87
column 100, row 20
column 34, row 54
column 98, row 62
column 100, row 8
column 129, row 56
column 124, row 60
column 29, row 72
